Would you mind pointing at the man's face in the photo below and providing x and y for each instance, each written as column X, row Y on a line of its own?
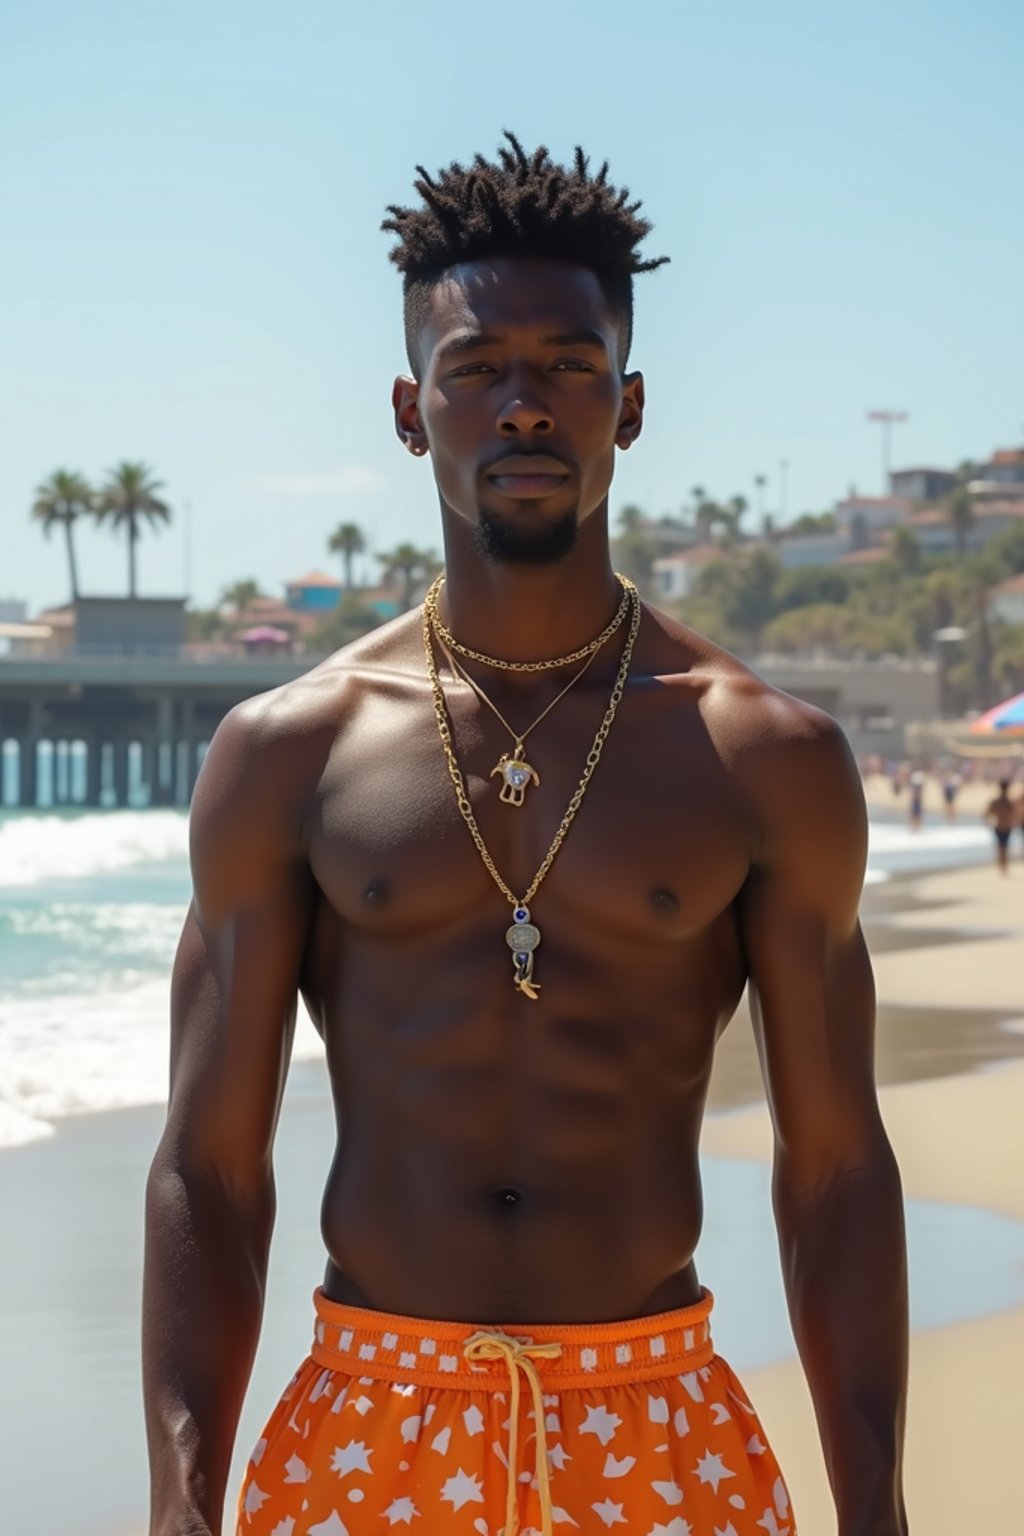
column 521, row 402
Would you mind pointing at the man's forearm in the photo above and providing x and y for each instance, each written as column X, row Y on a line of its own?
column 205, row 1272
column 844, row 1262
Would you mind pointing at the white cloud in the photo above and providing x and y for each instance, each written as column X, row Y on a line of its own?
column 330, row 482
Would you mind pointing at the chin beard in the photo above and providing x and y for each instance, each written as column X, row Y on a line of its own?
column 507, row 542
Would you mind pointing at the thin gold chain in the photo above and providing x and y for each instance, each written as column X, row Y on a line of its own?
column 430, row 608
column 593, row 756
column 519, row 737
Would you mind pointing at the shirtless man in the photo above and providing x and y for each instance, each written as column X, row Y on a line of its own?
column 1001, row 815
column 515, row 1202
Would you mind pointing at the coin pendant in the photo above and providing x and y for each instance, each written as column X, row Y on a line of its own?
column 522, row 937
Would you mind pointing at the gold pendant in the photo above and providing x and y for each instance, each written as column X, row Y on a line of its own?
column 516, row 774
column 522, row 939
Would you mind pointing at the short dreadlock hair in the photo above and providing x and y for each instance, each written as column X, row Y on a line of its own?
column 519, row 205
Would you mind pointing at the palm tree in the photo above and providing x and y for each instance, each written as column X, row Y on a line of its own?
column 347, row 540
column 960, row 512
column 631, row 518
column 241, row 593
column 129, row 496
column 905, row 549
column 729, row 518
column 410, row 565
column 63, row 498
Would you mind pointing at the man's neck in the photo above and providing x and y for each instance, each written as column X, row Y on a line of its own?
column 528, row 612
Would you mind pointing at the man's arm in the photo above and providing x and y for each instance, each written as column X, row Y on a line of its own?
column 836, row 1187
column 210, row 1193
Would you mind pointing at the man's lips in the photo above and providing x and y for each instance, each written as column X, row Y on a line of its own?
column 527, row 476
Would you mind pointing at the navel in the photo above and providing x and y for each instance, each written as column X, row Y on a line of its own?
column 508, row 1196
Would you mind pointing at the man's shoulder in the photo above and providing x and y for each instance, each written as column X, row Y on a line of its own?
column 319, row 699
column 751, row 720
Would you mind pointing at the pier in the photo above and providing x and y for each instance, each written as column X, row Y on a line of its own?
column 162, row 704
column 100, row 703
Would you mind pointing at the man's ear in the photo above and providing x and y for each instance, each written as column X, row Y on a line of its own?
column 631, row 416
column 405, row 397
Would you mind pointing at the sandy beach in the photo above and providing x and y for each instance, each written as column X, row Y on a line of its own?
column 947, row 953
column 959, row 1139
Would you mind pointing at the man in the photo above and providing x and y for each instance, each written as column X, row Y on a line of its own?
column 521, row 852
column 1001, row 815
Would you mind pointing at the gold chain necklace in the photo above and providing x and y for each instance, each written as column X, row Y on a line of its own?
column 523, row 937
column 430, row 608
column 516, row 773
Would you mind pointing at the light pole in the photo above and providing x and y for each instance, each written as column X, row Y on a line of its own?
column 886, row 418
column 186, row 548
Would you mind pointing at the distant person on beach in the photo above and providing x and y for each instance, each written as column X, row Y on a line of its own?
column 951, row 785
column 520, row 851
column 1002, row 816
column 915, row 807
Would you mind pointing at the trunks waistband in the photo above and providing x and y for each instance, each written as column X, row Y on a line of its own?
column 419, row 1350
column 365, row 1342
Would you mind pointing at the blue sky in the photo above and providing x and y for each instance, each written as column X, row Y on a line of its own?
column 191, row 270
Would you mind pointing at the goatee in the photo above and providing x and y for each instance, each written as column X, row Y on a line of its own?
column 509, row 543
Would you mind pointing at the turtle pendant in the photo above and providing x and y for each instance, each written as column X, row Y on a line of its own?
column 517, row 775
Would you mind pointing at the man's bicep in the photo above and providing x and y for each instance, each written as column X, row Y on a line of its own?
column 812, row 992
column 234, row 987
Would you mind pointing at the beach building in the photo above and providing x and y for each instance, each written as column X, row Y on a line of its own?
column 1006, row 601
column 870, row 555
column 862, row 520
column 316, row 592
column 794, row 550
column 668, row 534
column 675, row 575
column 922, row 483
column 1005, row 468
column 934, row 531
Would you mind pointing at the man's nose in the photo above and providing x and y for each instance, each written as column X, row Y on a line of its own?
column 523, row 413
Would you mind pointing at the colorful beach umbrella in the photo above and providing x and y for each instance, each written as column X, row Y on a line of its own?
column 1004, row 722
column 268, row 632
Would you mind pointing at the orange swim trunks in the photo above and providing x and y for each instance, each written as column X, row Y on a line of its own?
column 453, row 1429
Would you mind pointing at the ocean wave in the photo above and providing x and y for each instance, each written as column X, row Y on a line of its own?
column 888, row 839
column 78, row 1054
column 37, row 847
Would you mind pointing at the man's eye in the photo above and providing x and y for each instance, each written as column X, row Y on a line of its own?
column 574, row 365
column 470, row 369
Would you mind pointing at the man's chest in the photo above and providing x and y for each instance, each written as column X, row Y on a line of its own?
column 659, row 843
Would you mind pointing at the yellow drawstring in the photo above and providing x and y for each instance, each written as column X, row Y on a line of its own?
column 495, row 1345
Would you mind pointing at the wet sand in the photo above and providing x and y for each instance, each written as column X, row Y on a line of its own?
column 952, row 1097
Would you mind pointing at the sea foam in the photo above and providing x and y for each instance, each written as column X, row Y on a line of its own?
column 74, row 844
